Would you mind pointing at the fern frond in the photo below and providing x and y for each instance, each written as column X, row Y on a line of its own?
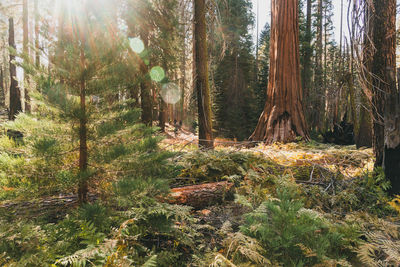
column 151, row 262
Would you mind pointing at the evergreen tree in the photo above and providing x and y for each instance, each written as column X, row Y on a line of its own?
column 234, row 74
column 263, row 71
column 83, row 94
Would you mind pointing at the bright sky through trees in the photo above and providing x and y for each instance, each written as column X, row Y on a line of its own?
column 264, row 13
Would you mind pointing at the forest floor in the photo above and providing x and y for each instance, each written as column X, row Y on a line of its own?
column 318, row 160
column 334, row 183
column 348, row 160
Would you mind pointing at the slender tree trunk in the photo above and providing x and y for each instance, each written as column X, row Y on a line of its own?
column 37, row 55
column 307, row 74
column 162, row 115
column 201, row 76
column 183, row 67
column 145, row 87
column 339, row 91
column 283, row 118
column 350, row 81
column 15, row 94
column 318, row 78
column 2, row 92
column 83, row 149
column 26, row 52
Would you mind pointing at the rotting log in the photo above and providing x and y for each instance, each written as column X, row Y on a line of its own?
column 202, row 195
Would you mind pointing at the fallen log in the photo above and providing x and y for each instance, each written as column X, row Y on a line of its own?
column 202, row 195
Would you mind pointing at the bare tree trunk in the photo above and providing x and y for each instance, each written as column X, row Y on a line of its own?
column 364, row 135
column 2, row 92
column 338, row 94
column 26, row 51
column 283, row 118
column 201, row 76
column 183, row 67
column 307, row 72
column 15, row 94
column 162, row 115
column 145, row 88
column 83, row 149
column 384, row 67
column 37, row 55
column 318, row 77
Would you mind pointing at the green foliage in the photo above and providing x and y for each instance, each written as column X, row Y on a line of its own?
column 234, row 74
column 263, row 69
column 291, row 234
column 200, row 166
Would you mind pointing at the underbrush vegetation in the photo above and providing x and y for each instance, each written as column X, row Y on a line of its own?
column 293, row 214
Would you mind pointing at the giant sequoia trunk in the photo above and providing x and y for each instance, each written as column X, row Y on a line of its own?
column 201, row 75
column 15, row 94
column 382, row 68
column 283, row 119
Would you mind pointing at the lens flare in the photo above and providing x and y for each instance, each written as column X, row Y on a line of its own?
column 170, row 93
column 157, row 74
column 136, row 44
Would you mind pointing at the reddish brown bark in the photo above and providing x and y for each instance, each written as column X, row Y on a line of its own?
column 203, row 195
column 201, row 76
column 283, row 118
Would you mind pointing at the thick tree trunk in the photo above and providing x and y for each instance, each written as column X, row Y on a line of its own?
column 25, row 42
column 37, row 54
column 382, row 68
column 15, row 94
column 283, row 118
column 201, row 76
column 385, row 32
column 364, row 137
column 203, row 195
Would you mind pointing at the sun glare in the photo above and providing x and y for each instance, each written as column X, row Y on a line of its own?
column 157, row 74
column 136, row 44
column 170, row 93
